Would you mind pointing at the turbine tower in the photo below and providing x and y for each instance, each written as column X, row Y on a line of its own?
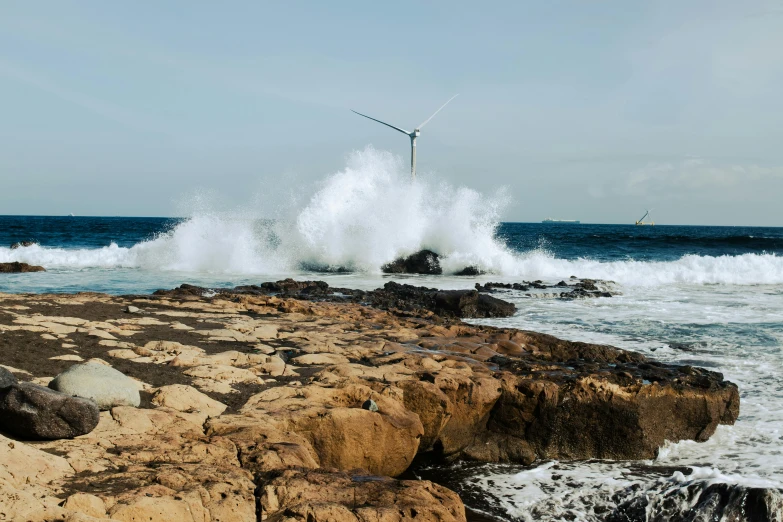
column 412, row 135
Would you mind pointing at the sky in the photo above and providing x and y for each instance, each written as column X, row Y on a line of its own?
column 581, row 110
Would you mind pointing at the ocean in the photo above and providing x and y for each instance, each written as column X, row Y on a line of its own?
column 703, row 296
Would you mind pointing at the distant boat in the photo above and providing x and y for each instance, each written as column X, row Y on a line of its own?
column 562, row 221
column 641, row 221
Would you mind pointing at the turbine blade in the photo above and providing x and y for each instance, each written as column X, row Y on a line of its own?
column 383, row 122
column 436, row 112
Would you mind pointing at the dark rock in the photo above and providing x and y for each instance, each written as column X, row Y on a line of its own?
column 422, row 262
column 448, row 303
column 18, row 244
column 184, row 291
column 18, row 268
column 394, row 297
column 470, row 303
column 587, row 284
column 561, row 284
column 490, row 287
column 6, row 378
column 701, row 500
column 470, row 271
column 370, row 405
column 33, row 412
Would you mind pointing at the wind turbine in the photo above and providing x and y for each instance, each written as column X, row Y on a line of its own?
column 412, row 135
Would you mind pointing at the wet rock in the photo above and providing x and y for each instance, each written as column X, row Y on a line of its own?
column 701, row 500
column 489, row 287
column 448, row 303
column 470, row 303
column 19, row 268
column 20, row 244
column 470, row 271
column 422, row 262
column 322, row 496
column 103, row 384
column 6, row 378
column 33, row 412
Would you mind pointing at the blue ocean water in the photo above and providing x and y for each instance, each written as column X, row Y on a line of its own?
column 706, row 296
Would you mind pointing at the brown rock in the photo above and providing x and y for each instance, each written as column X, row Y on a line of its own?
column 609, row 416
column 87, row 504
column 321, row 496
column 187, row 399
column 17, row 268
column 344, row 435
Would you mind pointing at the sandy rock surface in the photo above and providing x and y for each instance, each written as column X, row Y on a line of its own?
column 251, row 407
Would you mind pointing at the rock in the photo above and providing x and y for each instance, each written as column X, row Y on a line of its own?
column 30, row 411
column 470, row 303
column 343, row 435
column 6, row 378
column 422, row 262
column 19, row 244
column 322, row 496
column 701, row 501
column 18, row 268
column 489, row 287
column 320, row 359
column 132, row 310
column 103, row 384
column 187, row 399
column 608, row 410
column 370, row 405
column 470, row 271
column 446, row 303
column 87, row 504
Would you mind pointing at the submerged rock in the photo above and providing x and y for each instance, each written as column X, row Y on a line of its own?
column 30, row 411
column 701, row 500
column 19, row 244
column 18, row 268
column 103, row 384
column 470, row 271
column 422, row 262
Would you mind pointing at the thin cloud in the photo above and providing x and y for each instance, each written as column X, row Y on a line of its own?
column 694, row 175
column 109, row 111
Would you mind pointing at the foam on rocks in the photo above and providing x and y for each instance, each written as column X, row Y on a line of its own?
column 103, row 384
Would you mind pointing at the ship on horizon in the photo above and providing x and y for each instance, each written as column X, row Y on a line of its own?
column 643, row 222
column 562, row 221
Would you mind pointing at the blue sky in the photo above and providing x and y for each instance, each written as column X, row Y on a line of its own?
column 583, row 110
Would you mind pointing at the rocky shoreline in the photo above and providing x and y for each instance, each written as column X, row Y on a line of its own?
column 299, row 402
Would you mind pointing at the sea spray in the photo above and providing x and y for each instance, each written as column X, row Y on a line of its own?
column 371, row 213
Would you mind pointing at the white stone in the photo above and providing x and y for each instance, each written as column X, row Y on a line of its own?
column 103, row 384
